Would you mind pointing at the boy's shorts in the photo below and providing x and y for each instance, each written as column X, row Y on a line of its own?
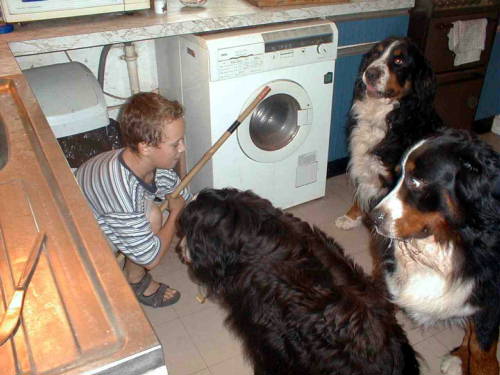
column 148, row 205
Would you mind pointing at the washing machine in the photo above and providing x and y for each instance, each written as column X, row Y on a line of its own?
column 280, row 150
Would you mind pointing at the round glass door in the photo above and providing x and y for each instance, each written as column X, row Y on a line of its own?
column 273, row 124
column 278, row 125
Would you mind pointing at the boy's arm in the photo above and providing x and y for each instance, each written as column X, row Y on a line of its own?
column 167, row 231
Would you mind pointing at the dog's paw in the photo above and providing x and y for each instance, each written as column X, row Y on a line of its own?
column 345, row 222
column 451, row 365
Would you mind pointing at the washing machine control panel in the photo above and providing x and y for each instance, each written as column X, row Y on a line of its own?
column 273, row 50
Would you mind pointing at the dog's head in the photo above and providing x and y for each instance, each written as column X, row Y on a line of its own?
column 393, row 69
column 447, row 185
column 219, row 229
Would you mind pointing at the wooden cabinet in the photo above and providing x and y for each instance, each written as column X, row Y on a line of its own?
column 457, row 100
column 436, row 45
column 459, row 87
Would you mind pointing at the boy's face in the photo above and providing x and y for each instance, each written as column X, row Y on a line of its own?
column 167, row 153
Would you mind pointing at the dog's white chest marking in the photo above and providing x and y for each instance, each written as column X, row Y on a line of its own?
column 422, row 283
column 371, row 128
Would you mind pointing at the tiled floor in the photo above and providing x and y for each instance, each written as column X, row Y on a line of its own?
column 193, row 335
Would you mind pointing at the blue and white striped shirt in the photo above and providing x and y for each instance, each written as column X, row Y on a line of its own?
column 118, row 199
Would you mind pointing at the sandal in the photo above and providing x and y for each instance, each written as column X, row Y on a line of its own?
column 156, row 299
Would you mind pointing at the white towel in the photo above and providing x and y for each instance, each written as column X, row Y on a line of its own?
column 466, row 39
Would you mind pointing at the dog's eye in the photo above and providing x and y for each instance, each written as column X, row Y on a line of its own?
column 399, row 60
column 415, row 183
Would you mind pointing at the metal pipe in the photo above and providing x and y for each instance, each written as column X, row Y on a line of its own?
column 131, row 59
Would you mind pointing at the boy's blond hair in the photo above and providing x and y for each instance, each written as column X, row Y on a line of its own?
column 143, row 118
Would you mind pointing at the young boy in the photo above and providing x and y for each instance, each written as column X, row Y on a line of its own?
column 123, row 185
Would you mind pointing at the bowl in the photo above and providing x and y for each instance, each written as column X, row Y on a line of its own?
column 193, row 3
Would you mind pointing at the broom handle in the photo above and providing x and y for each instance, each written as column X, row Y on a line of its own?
column 208, row 155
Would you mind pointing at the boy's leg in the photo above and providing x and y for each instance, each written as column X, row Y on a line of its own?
column 134, row 273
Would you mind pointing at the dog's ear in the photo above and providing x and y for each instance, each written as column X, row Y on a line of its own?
column 424, row 82
column 469, row 180
column 478, row 177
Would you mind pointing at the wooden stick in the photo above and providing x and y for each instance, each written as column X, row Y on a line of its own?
column 208, row 155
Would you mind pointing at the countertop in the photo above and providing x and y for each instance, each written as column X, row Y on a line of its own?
column 79, row 314
column 80, row 32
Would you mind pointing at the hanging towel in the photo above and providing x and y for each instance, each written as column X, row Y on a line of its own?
column 466, row 39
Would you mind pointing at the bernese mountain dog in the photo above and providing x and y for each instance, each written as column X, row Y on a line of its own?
column 300, row 306
column 392, row 109
column 442, row 259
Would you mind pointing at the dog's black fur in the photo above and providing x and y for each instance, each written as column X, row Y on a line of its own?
column 448, row 194
column 300, row 306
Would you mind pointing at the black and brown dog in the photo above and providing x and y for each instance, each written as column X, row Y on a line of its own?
column 442, row 263
column 393, row 107
column 300, row 306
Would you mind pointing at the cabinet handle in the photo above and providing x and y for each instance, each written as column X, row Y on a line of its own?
column 472, row 102
column 444, row 26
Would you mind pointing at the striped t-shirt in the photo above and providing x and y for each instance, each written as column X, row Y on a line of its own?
column 118, row 199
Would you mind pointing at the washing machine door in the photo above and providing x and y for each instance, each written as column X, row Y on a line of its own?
column 278, row 125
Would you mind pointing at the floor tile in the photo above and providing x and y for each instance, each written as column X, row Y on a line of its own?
column 202, row 372
column 233, row 366
column 190, row 291
column 450, row 337
column 323, row 212
column 213, row 340
column 432, row 352
column 160, row 315
column 320, row 210
column 169, row 263
column 340, row 187
column 181, row 355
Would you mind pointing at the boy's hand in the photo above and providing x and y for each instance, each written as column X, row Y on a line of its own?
column 175, row 205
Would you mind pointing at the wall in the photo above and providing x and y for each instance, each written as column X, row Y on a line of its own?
column 489, row 102
column 116, row 79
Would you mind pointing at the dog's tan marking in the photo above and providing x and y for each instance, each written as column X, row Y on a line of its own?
column 394, row 88
column 452, row 206
column 476, row 361
column 462, row 351
column 351, row 219
column 410, row 166
column 482, row 362
column 413, row 223
column 354, row 212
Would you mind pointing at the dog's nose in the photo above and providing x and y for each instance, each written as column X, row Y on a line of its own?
column 373, row 74
column 377, row 217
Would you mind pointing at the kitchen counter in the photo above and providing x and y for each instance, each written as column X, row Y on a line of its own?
column 79, row 314
column 88, row 31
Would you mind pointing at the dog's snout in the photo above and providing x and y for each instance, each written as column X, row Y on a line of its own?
column 373, row 74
